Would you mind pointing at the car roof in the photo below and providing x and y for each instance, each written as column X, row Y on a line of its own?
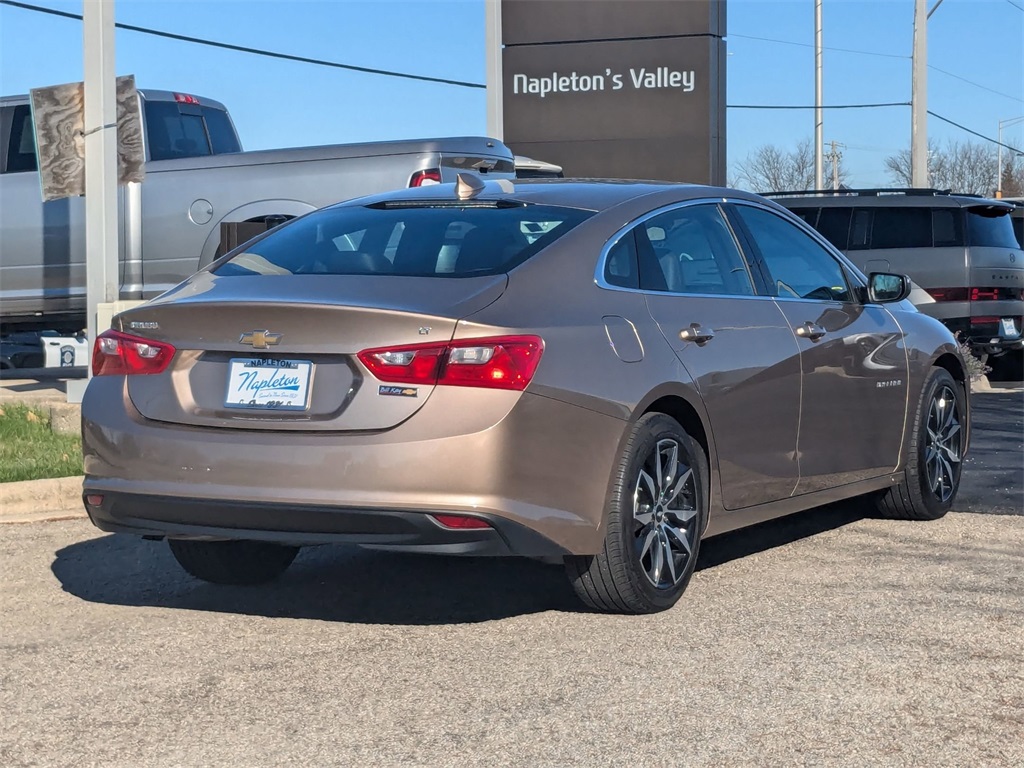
column 874, row 198
column 147, row 94
column 588, row 194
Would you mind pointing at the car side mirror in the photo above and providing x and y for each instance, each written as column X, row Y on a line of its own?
column 884, row 288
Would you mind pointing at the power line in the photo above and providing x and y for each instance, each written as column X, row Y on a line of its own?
column 812, row 106
column 977, row 85
column 1018, row 7
column 973, row 133
column 810, row 45
column 257, row 51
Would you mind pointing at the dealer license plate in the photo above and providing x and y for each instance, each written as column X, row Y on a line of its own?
column 1010, row 330
column 281, row 385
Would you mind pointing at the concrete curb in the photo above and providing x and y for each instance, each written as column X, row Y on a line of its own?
column 59, row 497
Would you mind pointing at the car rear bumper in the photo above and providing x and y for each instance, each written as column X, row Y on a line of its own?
column 173, row 517
column 516, row 460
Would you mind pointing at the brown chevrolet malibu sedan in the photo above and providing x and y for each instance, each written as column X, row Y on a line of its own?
column 602, row 372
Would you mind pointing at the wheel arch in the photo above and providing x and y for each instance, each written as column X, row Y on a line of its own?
column 255, row 211
column 685, row 406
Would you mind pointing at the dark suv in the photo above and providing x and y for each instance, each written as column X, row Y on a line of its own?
column 961, row 250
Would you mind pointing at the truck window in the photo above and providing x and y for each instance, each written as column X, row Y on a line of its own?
column 223, row 138
column 21, row 149
column 902, row 228
column 187, row 130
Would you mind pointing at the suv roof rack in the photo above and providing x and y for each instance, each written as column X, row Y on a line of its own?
column 922, row 191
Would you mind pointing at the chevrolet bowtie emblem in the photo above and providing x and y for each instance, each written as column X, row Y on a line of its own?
column 260, row 339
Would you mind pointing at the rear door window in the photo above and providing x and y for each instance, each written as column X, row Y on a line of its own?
column 407, row 239
column 834, row 226
column 21, row 147
column 902, row 228
column 691, row 250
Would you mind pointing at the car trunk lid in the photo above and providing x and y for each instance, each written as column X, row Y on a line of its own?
column 280, row 352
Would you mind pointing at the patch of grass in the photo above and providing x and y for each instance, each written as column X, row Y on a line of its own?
column 30, row 451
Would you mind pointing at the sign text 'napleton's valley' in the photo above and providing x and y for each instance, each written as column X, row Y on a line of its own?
column 638, row 78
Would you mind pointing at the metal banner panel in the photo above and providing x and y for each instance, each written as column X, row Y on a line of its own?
column 58, row 114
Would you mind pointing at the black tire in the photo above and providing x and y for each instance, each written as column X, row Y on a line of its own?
column 621, row 577
column 232, row 562
column 931, row 478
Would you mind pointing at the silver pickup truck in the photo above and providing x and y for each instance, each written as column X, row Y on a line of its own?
column 197, row 178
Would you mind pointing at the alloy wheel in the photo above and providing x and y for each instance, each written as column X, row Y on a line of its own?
column 665, row 514
column 942, row 446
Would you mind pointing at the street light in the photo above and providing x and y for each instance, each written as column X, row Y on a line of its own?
column 999, row 174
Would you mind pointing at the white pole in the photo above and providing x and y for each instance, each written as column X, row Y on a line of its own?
column 492, row 30
column 819, row 132
column 999, row 172
column 101, row 235
column 919, row 99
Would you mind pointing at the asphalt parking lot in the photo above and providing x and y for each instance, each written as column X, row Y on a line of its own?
column 826, row 638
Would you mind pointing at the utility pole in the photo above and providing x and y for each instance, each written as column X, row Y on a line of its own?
column 919, row 98
column 100, row 124
column 834, row 156
column 495, row 87
column 819, row 163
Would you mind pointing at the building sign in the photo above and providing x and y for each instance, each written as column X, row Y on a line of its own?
column 616, row 88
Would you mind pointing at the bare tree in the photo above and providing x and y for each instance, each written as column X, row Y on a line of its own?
column 965, row 167
column 772, row 169
column 1012, row 184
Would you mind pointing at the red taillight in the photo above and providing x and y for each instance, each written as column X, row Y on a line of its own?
column 504, row 362
column 425, row 178
column 120, row 354
column 461, row 523
column 948, row 294
column 184, row 98
column 984, row 294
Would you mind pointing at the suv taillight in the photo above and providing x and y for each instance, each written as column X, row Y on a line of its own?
column 425, row 178
column 121, row 354
column 500, row 362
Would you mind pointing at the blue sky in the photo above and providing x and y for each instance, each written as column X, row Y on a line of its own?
column 277, row 103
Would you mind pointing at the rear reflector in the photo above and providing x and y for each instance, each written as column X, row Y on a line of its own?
column 984, row 320
column 459, row 522
column 94, row 499
column 501, row 362
column 121, row 354
column 425, row 178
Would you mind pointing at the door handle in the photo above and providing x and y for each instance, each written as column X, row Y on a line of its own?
column 696, row 334
column 810, row 330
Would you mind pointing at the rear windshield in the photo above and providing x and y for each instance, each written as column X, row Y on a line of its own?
column 188, row 130
column 414, row 240
column 986, row 229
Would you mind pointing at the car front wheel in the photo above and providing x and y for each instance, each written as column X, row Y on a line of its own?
column 232, row 562
column 934, row 455
column 657, row 512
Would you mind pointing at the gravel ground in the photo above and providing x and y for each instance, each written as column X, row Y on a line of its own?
column 822, row 639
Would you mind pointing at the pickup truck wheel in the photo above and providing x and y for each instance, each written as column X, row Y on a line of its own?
column 232, row 562
column 931, row 478
column 657, row 511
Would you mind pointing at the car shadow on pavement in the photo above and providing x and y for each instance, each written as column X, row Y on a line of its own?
column 346, row 584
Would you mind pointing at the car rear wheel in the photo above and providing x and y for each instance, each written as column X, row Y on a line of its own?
column 935, row 454
column 657, row 511
column 232, row 562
